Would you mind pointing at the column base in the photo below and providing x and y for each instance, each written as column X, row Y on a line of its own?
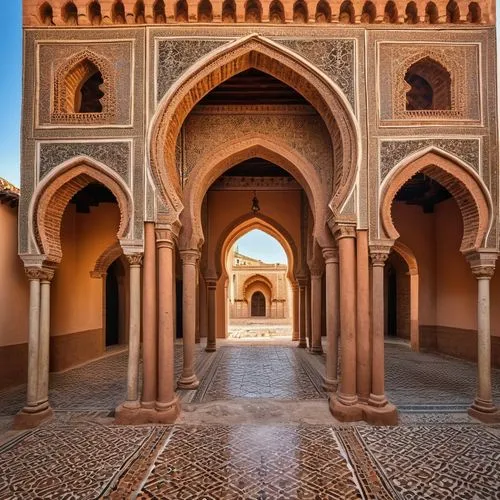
column 330, row 385
column 210, row 348
column 29, row 417
column 188, row 383
column 134, row 416
column 295, row 338
column 381, row 415
column 485, row 411
column 302, row 344
column 345, row 413
column 316, row 349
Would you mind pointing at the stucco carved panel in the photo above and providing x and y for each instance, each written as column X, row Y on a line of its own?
column 304, row 133
column 393, row 152
column 460, row 61
column 176, row 55
column 114, row 60
column 115, row 155
column 336, row 58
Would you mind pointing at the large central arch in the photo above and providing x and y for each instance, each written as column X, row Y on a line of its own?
column 260, row 53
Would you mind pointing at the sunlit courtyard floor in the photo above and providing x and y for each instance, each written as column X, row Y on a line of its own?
column 258, row 427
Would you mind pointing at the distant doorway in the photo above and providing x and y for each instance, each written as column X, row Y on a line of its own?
column 258, row 304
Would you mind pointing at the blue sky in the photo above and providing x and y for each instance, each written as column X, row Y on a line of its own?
column 260, row 245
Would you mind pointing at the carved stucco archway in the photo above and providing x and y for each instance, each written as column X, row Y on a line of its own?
column 265, row 55
column 461, row 181
column 261, row 280
column 55, row 192
column 257, row 145
column 104, row 260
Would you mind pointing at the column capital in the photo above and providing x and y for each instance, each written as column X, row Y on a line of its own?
column 331, row 255
column 190, row 256
column 379, row 251
column 344, row 230
column 302, row 281
column 134, row 259
column 482, row 263
column 39, row 273
column 165, row 236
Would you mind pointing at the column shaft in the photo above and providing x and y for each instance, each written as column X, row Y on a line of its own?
column 212, row 315
column 302, row 315
column 44, row 343
column 295, row 312
column 308, row 315
column 34, row 343
column 330, row 383
column 316, row 298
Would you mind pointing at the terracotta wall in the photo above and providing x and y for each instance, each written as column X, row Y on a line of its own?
column 14, row 303
column 76, row 312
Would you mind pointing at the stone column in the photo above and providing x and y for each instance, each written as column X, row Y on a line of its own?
column 37, row 407
column 149, row 316
column 295, row 310
column 308, row 315
column 483, row 267
column 167, row 402
column 345, row 405
column 363, row 374
column 302, row 313
column 379, row 411
column 211, row 314
column 134, row 329
column 188, row 379
column 331, row 256
column 316, row 347
column 197, row 305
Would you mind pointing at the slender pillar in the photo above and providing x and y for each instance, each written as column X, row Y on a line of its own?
column 483, row 408
column 37, row 407
column 197, row 305
column 308, row 315
column 316, row 347
column 363, row 364
column 134, row 338
column 188, row 379
column 295, row 312
column 202, row 306
column 149, row 316
column 379, row 411
column 211, row 314
column 345, row 405
column 302, row 313
column 330, row 383
column 167, row 402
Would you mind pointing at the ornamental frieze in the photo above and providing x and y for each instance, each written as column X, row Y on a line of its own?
column 393, row 152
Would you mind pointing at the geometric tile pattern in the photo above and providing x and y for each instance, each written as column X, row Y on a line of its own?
column 437, row 462
column 254, row 462
column 248, row 372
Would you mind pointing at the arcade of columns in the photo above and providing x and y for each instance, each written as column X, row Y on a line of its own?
column 350, row 305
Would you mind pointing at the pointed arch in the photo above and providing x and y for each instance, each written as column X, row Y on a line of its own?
column 229, row 11
column 46, row 14
column 300, row 13
column 140, row 12
column 260, row 53
column 205, row 12
column 94, row 13
column 276, row 12
column 431, row 13
column 452, row 12
column 118, row 13
column 159, row 16
column 369, row 12
column 465, row 186
column 181, row 11
column 474, row 14
column 323, row 12
column 106, row 259
column 390, row 12
column 346, row 13
column 57, row 189
column 69, row 13
column 411, row 13
column 256, row 278
column 253, row 11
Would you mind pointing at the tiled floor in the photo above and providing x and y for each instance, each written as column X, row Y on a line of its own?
column 257, row 428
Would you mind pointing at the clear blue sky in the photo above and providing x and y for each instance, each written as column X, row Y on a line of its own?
column 260, row 245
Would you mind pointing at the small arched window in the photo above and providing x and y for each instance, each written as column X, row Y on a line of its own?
column 430, row 86
column 95, row 16
column 276, row 12
column 452, row 12
column 46, row 14
column 181, row 11
column 205, row 13
column 83, row 92
column 300, row 12
column 431, row 13
column 139, row 12
column 118, row 13
column 346, row 14
column 159, row 16
column 390, row 12
column 229, row 11
column 369, row 13
column 70, row 14
column 253, row 11
column 474, row 14
column 411, row 13
column 323, row 12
